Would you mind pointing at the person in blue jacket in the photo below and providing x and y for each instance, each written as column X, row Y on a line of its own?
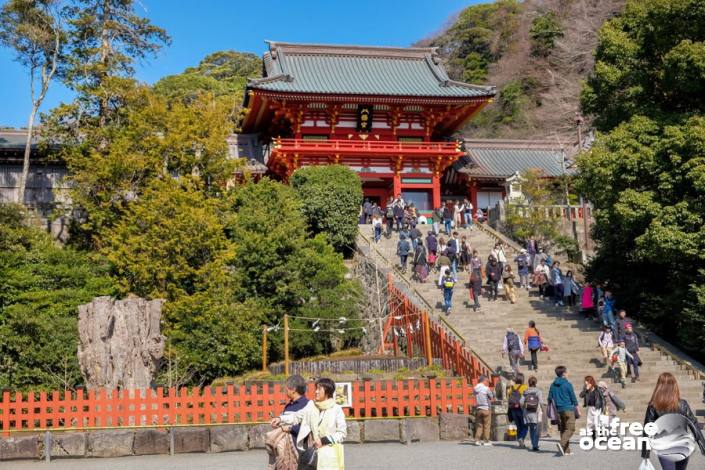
column 561, row 395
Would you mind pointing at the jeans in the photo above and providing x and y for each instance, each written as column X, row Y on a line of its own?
column 454, row 266
column 390, row 225
column 378, row 232
column 523, row 280
column 413, row 244
column 534, row 358
column 534, row 433
column 399, row 221
column 447, row 223
column 514, row 358
column 494, row 286
column 448, row 298
column 468, row 219
column 518, row 419
column 558, row 293
column 633, row 364
column 668, row 465
column 566, row 425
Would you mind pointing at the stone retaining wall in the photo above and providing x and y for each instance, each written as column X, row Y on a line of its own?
column 119, row 443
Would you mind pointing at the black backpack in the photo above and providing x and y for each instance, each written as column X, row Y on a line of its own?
column 514, row 398
column 390, row 212
column 513, row 342
column 531, row 401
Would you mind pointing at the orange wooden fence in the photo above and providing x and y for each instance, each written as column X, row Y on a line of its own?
column 219, row 405
column 406, row 329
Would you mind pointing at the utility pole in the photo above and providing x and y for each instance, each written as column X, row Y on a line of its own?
column 286, row 345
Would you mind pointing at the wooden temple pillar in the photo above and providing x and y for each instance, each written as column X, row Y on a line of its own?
column 472, row 193
column 436, row 190
column 396, row 184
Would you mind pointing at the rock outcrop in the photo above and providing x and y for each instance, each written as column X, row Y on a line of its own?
column 121, row 343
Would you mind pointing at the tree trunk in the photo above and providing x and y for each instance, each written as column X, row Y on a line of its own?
column 27, row 152
column 104, row 52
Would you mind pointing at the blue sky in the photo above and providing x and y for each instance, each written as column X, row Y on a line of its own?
column 198, row 28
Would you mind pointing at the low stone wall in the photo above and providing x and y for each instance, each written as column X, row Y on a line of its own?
column 239, row 437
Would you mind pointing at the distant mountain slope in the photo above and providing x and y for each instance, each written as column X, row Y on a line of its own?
column 537, row 53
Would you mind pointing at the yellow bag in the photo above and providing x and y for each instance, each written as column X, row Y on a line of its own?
column 331, row 457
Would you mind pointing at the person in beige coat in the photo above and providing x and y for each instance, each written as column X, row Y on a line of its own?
column 322, row 427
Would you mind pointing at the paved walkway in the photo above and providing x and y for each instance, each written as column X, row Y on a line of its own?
column 439, row 455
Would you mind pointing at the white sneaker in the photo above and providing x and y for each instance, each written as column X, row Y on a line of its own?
column 478, row 443
column 560, row 448
column 487, row 443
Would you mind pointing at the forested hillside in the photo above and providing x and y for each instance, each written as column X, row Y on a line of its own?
column 537, row 53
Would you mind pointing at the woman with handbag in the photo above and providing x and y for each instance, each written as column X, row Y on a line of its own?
column 533, row 341
column 322, row 425
column 594, row 402
column 669, row 411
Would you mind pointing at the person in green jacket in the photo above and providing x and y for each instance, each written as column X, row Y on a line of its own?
column 562, row 396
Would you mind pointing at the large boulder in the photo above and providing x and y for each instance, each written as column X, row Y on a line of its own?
column 228, row 438
column 14, row 448
column 151, row 441
column 120, row 342
column 110, row 443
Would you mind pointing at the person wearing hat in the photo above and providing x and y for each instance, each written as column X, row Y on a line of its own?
column 523, row 262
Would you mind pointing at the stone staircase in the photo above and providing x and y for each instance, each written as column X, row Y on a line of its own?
column 572, row 340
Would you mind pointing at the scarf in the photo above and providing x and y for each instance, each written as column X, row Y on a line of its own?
column 326, row 420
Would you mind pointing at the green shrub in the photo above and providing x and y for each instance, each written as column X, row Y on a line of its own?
column 331, row 197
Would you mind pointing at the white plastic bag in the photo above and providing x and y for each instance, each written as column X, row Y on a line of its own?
column 646, row 465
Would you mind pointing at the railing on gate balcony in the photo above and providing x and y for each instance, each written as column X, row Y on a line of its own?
column 363, row 147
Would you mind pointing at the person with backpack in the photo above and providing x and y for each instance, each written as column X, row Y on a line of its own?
column 515, row 411
column 531, row 403
column 442, row 264
column 452, row 251
column 533, row 341
column 448, row 284
column 522, row 262
column 415, row 235
column 594, row 402
column 494, row 275
column 389, row 217
column 431, row 247
column 513, row 347
column 403, row 249
column 561, row 395
column 605, row 343
column 366, row 211
column 631, row 342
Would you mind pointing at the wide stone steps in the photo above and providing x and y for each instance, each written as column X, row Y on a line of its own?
column 572, row 339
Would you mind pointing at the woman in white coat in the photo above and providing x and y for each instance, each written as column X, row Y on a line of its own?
column 324, row 421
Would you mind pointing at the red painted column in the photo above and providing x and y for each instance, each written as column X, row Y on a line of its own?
column 436, row 191
column 473, row 195
column 396, row 185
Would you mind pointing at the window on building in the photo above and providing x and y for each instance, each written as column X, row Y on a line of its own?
column 410, row 139
column 315, row 137
column 420, row 197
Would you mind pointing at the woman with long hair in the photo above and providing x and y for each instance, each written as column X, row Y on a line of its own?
column 532, row 339
column 594, row 401
column 666, row 400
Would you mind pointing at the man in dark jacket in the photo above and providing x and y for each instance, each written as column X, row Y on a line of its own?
column 562, row 396
column 621, row 322
column 631, row 342
column 447, row 217
column 432, row 244
column 494, row 274
column 398, row 214
column 403, row 249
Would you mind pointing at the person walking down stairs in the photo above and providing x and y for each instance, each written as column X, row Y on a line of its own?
column 619, row 356
column 403, row 249
column 508, row 281
column 606, row 344
column 594, row 403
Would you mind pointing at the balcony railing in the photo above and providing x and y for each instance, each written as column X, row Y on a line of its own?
column 362, row 147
